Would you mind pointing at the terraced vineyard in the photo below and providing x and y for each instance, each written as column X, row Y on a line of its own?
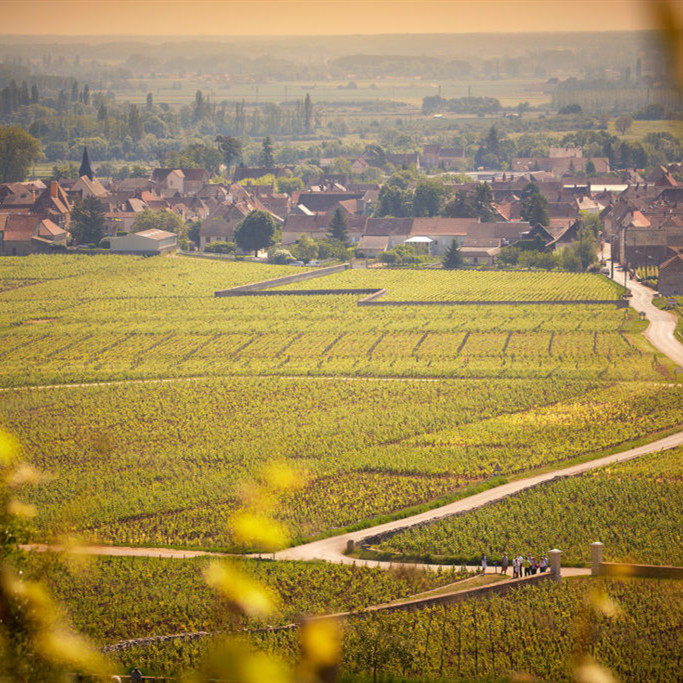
column 635, row 508
column 109, row 603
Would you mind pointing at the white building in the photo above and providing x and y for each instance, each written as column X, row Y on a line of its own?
column 145, row 242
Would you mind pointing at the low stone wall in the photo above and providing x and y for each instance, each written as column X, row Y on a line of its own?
column 300, row 292
column 500, row 588
column 279, row 281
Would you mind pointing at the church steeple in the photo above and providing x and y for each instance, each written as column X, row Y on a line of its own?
column 85, row 168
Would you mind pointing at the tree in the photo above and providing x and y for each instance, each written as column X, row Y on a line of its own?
column 308, row 114
column 623, row 123
column 429, row 195
column 230, row 147
column 305, row 249
column 339, row 226
column 392, row 201
column 18, row 150
column 476, row 204
column 87, row 221
column 534, row 205
column 68, row 169
column 159, row 219
column 150, row 101
column 255, row 231
column 135, row 127
column 289, row 184
column 453, row 257
column 267, row 150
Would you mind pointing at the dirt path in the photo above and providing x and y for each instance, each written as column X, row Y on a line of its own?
column 332, row 549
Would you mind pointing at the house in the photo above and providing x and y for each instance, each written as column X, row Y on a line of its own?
column 396, row 230
column 323, row 202
column 441, row 231
column 436, row 156
column 373, row 245
column 84, row 187
column 316, row 226
column 220, row 224
column 147, row 242
column 670, row 282
column 480, row 251
column 22, row 234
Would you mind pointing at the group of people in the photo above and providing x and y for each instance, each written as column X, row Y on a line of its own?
column 521, row 566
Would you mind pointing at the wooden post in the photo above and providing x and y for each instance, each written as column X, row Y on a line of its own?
column 349, row 546
column 596, row 558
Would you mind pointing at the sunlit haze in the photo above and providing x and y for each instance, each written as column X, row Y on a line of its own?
column 314, row 17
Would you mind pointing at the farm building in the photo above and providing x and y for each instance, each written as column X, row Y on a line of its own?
column 145, row 242
column 671, row 276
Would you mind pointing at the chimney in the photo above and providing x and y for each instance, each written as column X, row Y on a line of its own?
column 54, row 192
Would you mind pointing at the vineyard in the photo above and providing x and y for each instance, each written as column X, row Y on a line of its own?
column 376, row 410
column 162, row 463
column 121, row 598
column 635, row 508
column 126, row 318
column 538, row 631
column 442, row 285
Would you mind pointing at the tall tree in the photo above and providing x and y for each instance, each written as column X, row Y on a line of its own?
column 267, row 151
column 339, row 226
column 308, row 114
column 534, row 205
column 230, row 147
column 255, row 231
column 135, row 123
column 18, row 150
column 87, row 221
column 453, row 257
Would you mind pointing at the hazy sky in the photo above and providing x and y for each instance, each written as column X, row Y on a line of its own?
column 315, row 17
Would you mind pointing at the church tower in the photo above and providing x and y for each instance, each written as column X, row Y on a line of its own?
column 85, row 168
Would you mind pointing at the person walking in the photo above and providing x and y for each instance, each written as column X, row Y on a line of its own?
column 504, row 564
column 544, row 564
column 484, row 563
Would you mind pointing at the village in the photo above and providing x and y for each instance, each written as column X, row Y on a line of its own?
column 638, row 214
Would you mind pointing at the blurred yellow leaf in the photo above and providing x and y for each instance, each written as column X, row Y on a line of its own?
column 19, row 509
column 604, row 605
column 9, row 448
column 283, row 478
column 67, row 649
column 320, row 643
column 258, row 530
column 243, row 593
column 589, row 671
column 24, row 474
